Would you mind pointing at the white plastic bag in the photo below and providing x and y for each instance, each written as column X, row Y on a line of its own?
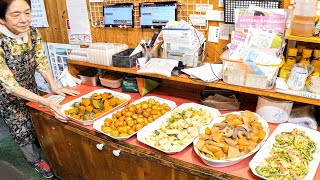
column 304, row 116
column 159, row 66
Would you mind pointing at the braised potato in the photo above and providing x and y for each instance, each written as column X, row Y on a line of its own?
column 235, row 136
column 134, row 117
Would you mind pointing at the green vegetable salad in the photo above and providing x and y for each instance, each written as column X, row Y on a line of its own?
column 290, row 156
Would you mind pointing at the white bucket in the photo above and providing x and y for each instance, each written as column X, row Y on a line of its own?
column 274, row 110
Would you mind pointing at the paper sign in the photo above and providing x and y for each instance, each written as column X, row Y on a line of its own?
column 38, row 14
column 198, row 19
column 214, row 15
column 203, row 7
column 220, row 3
column 213, row 34
column 78, row 16
column 224, row 31
column 77, row 38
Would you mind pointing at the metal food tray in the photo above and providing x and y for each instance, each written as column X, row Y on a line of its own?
column 98, row 91
column 97, row 124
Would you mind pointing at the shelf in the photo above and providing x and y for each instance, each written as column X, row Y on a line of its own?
column 221, row 85
column 299, row 38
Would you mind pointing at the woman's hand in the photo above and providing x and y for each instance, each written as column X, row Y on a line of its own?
column 55, row 109
column 65, row 91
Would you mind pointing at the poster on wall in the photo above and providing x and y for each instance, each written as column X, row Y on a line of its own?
column 58, row 54
column 77, row 38
column 78, row 25
column 38, row 14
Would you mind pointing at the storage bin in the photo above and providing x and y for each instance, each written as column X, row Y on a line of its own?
column 274, row 110
column 123, row 58
column 220, row 105
column 111, row 80
column 248, row 74
column 90, row 76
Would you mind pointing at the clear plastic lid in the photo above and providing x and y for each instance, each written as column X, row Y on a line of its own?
column 305, row 8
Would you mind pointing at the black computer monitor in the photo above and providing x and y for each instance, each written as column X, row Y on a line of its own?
column 118, row 15
column 157, row 14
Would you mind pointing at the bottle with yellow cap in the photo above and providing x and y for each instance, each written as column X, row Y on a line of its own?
column 316, row 60
column 300, row 50
column 291, row 61
column 306, row 54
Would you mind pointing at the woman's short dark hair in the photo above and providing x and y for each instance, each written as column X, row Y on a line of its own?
column 4, row 5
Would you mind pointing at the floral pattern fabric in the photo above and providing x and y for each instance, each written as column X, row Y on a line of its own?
column 18, row 63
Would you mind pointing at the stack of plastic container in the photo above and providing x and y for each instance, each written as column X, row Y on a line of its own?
column 101, row 53
column 303, row 20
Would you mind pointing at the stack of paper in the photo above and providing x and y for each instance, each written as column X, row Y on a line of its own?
column 205, row 72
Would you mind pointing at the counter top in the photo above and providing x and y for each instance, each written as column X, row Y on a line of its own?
column 240, row 169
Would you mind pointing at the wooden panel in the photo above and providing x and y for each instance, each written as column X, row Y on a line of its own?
column 71, row 153
column 57, row 32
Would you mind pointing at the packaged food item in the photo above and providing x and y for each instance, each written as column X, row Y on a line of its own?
column 298, row 76
column 304, row 116
column 291, row 61
column 111, row 80
column 274, row 110
column 314, row 85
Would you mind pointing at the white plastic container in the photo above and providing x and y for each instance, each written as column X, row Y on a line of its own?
column 303, row 20
column 110, row 83
column 274, row 110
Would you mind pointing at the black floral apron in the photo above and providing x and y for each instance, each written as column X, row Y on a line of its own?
column 13, row 109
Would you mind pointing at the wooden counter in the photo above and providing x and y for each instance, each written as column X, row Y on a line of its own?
column 71, row 151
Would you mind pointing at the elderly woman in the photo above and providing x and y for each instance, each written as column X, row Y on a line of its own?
column 21, row 54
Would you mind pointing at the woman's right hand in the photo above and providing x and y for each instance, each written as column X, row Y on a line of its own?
column 55, row 109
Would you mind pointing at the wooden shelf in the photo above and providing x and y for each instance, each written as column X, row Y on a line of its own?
column 299, row 38
column 220, row 84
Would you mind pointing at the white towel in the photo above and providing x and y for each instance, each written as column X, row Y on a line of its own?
column 20, row 38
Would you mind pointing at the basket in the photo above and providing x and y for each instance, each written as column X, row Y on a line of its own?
column 220, row 105
column 123, row 58
column 111, row 81
column 240, row 73
column 230, row 5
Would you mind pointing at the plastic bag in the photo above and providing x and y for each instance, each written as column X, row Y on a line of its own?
column 159, row 66
column 146, row 85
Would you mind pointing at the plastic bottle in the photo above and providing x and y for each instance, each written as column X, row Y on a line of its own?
column 300, row 50
column 316, row 60
column 306, row 54
column 303, row 20
column 291, row 61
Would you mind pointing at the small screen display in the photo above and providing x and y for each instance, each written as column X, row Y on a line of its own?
column 118, row 14
column 157, row 14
